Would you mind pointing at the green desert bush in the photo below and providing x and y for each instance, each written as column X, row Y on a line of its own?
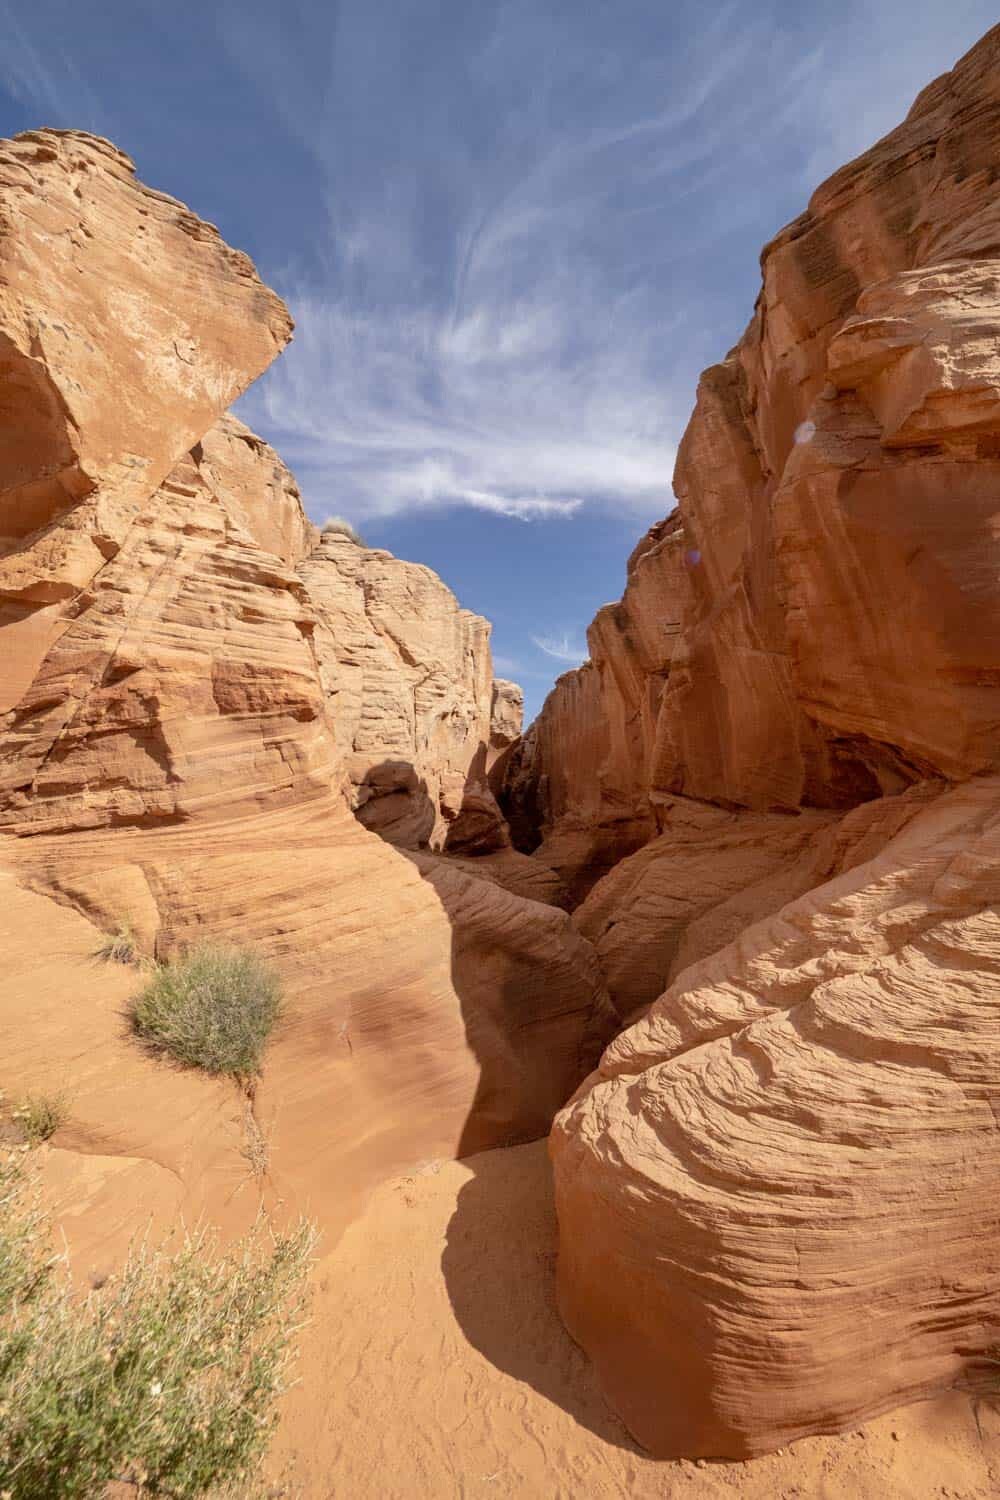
column 166, row 1377
column 40, row 1116
column 213, row 1008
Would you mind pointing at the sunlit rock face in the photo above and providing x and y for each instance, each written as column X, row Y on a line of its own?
column 779, row 1196
column 204, row 702
column 818, row 622
column 128, row 326
column 408, row 681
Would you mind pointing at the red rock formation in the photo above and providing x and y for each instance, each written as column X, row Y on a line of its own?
column 127, row 326
column 779, row 1196
column 711, row 873
column 409, row 688
column 817, row 623
column 506, row 714
column 201, row 688
column 779, row 1201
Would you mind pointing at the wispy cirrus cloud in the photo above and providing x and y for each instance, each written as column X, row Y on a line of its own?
column 527, row 226
column 488, row 319
column 561, row 648
column 42, row 73
column 514, row 291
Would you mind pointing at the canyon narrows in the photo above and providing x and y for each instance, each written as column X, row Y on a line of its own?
column 725, row 920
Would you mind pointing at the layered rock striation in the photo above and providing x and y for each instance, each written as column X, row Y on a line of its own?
column 778, row 1193
column 771, row 798
column 816, row 624
column 200, row 693
column 778, row 1199
column 408, row 682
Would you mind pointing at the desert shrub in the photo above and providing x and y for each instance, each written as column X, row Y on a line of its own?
column 118, row 947
column 40, row 1116
column 340, row 526
column 166, row 1377
column 213, row 1008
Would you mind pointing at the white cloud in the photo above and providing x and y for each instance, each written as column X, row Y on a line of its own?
column 529, row 345
column 561, row 648
column 519, row 330
column 387, row 409
column 519, row 509
column 513, row 272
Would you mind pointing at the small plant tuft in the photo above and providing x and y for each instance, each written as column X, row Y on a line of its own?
column 40, row 1116
column 214, row 1009
column 340, row 526
column 165, row 1377
column 119, row 947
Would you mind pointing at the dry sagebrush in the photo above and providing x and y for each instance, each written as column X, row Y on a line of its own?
column 213, row 1008
column 166, row 1377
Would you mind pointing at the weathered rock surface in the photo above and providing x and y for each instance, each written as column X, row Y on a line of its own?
column 202, row 689
column 260, row 493
column 127, row 326
column 429, row 1012
column 819, row 622
column 507, row 714
column 710, row 868
column 714, row 872
column 408, row 682
column 182, row 682
column 779, row 1197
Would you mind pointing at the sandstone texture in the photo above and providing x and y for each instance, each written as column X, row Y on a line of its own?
column 127, row 326
column 712, row 872
column 759, row 830
column 408, row 683
column 437, row 1307
column 817, row 622
column 778, row 1195
column 506, row 715
column 200, row 693
column 780, row 1199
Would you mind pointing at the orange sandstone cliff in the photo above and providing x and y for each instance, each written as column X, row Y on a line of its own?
column 207, row 706
column 735, row 895
column 779, row 1195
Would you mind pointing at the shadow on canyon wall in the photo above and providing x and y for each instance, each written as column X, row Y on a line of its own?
column 500, row 1253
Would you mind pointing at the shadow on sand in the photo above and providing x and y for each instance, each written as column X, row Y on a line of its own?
column 499, row 1265
column 500, row 1254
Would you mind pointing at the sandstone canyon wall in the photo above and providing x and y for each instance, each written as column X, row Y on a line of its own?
column 816, row 623
column 409, row 685
column 779, row 1196
column 199, row 693
column 771, row 798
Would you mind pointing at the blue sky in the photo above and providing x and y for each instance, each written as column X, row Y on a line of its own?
column 511, row 232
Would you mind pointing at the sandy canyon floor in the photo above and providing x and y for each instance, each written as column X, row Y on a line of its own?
column 436, row 1366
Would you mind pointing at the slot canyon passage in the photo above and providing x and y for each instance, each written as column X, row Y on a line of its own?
column 641, row 1070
